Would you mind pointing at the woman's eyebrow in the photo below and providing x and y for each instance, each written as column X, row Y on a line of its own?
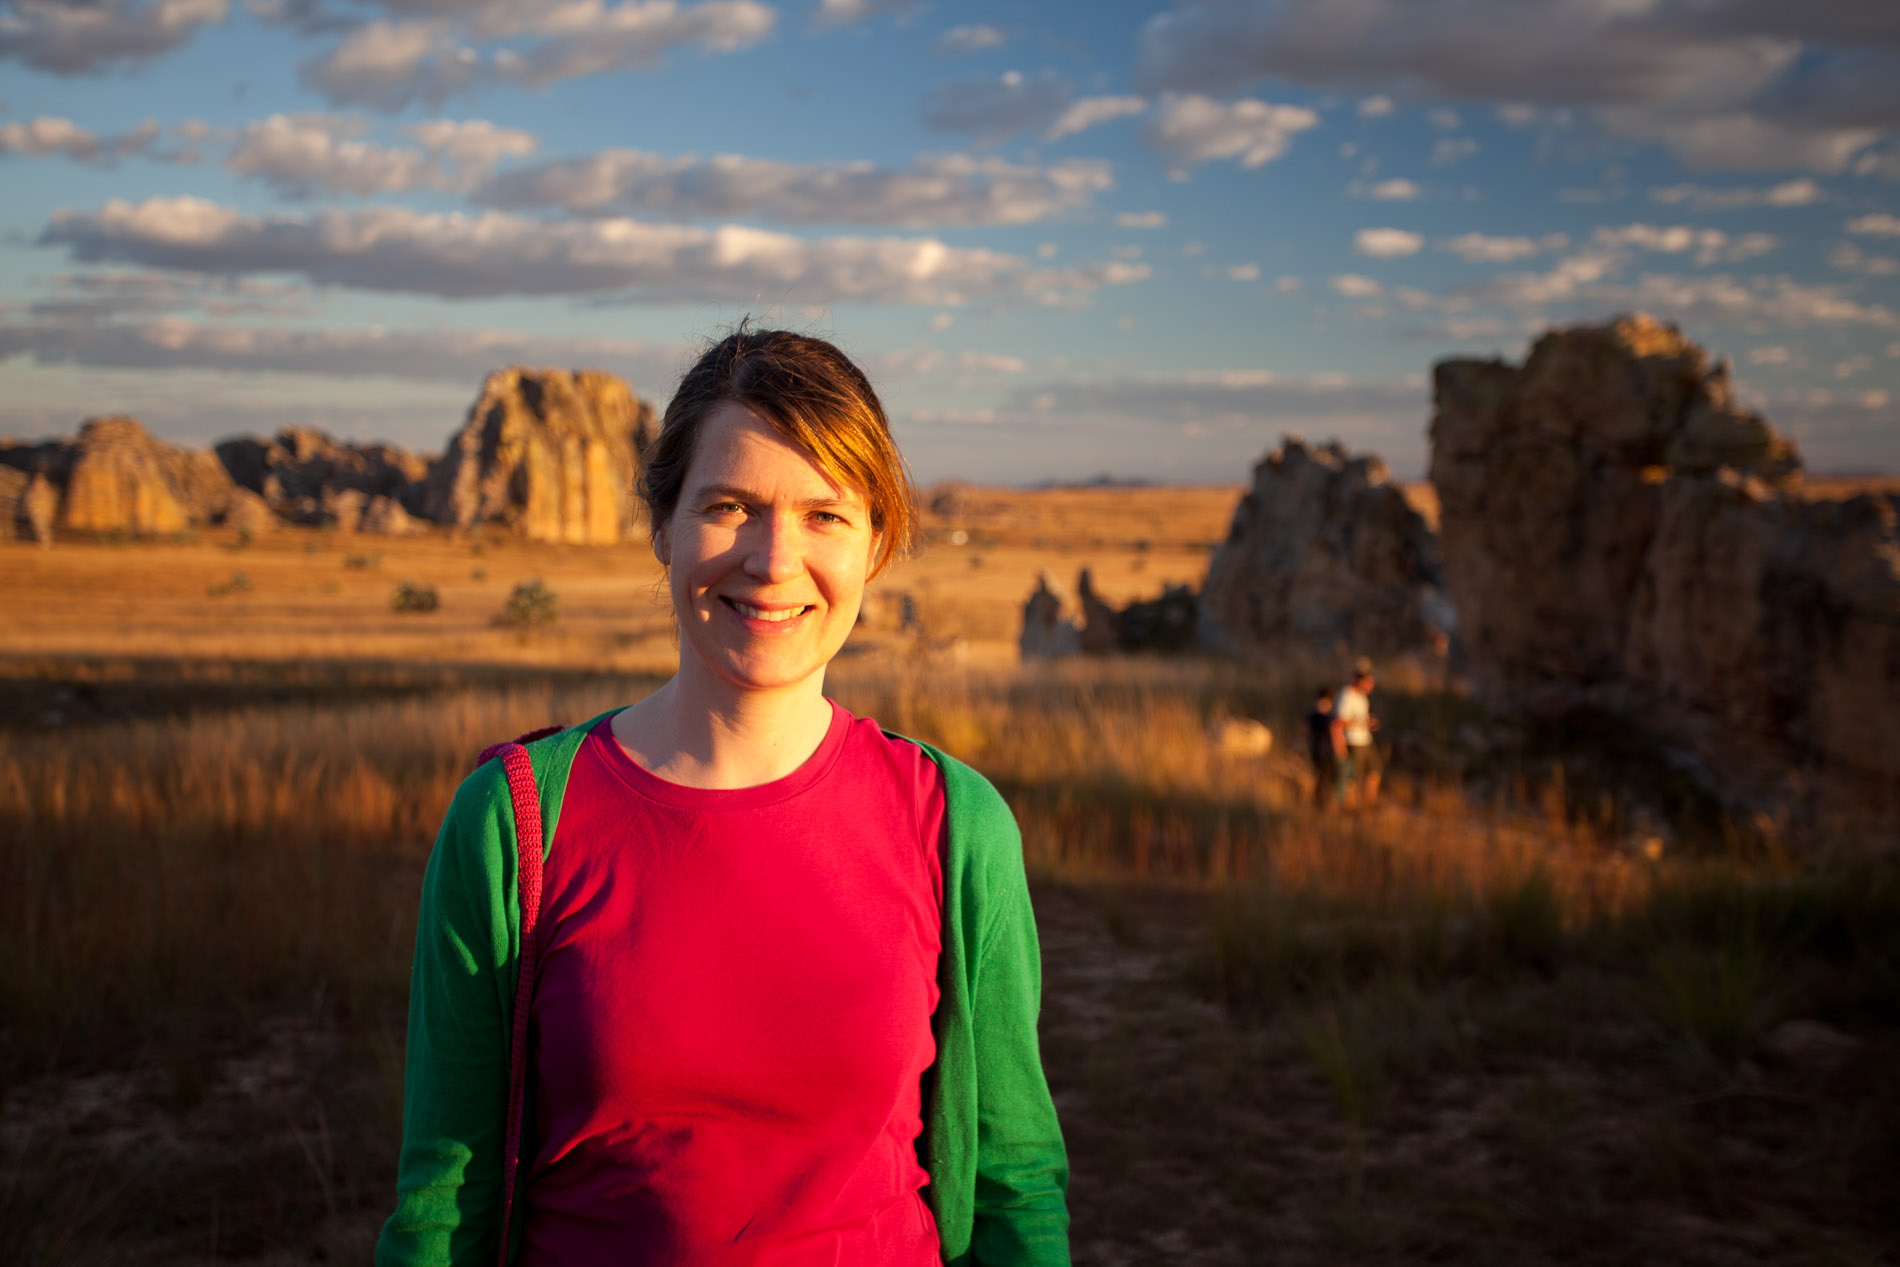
column 750, row 496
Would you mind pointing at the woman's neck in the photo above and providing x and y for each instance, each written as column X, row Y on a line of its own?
column 724, row 738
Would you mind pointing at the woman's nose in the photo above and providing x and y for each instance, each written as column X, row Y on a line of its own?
column 774, row 553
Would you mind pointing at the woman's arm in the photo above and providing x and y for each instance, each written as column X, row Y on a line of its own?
column 997, row 1165
column 455, row 1076
column 1022, row 1169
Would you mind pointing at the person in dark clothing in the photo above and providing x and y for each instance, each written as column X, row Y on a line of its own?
column 1326, row 747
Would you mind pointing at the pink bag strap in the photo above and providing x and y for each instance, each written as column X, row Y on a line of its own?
column 528, row 847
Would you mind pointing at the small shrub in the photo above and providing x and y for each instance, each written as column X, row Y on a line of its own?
column 411, row 597
column 363, row 562
column 531, row 605
column 238, row 582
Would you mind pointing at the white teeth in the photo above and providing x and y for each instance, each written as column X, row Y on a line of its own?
column 759, row 613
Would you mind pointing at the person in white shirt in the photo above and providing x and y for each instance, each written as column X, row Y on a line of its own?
column 1354, row 709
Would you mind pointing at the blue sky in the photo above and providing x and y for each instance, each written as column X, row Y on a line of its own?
column 1144, row 239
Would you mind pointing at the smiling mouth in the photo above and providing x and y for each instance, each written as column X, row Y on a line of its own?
column 772, row 615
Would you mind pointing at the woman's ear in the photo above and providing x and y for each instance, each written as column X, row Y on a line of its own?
column 662, row 548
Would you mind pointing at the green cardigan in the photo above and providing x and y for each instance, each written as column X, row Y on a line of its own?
column 990, row 1144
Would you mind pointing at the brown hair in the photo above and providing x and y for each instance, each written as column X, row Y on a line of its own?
column 810, row 393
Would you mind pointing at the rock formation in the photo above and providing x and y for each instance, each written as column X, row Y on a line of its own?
column 300, row 471
column 1050, row 626
column 1324, row 553
column 1618, row 534
column 39, row 507
column 13, row 485
column 553, row 454
column 1054, row 626
column 122, row 480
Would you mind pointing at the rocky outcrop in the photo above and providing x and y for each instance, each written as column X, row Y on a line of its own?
column 1051, row 625
column 552, row 454
column 385, row 517
column 39, row 508
column 1055, row 626
column 1619, row 534
column 13, row 485
column 1324, row 553
column 301, row 471
column 123, row 480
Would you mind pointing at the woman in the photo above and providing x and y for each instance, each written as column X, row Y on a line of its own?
column 786, row 998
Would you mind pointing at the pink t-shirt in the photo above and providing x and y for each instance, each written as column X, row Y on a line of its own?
column 732, row 1017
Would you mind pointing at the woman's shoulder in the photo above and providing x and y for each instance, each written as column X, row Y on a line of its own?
column 972, row 802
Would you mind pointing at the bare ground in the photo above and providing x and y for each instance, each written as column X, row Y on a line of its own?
column 1531, row 1119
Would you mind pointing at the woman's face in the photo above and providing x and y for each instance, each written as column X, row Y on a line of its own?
column 768, row 557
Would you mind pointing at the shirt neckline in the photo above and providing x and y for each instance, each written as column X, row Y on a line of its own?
column 651, row 786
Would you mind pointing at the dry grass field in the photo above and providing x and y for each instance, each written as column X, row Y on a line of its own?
column 1545, row 1004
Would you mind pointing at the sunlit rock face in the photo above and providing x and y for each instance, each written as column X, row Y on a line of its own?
column 1324, row 554
column 1618, row 534
column 551, row 453
column 122, row 480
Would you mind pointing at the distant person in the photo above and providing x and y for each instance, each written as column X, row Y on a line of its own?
column 1356, row 719
column 1326, row 748
column 787, row 980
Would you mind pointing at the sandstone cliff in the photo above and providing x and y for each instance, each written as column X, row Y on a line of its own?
column 123, row 480
column 1618, row 534
column 1324, row 553
column 553, row 454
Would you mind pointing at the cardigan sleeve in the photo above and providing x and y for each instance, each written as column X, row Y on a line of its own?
column 455, row 1075
column 1021, row 1212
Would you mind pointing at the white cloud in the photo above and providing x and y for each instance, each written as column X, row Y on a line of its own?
column 1444, row 118
column 1480, row 248
column 1192, row 129
column 1849, row 258
column 942, row 321
column 1764, row 300
column 1852, row 365
column 1709, row 245
column 1746, row 84
column 1742, row 141
column 1385, row 244
column 387, row 65
column 970, row 39
column 1142, row 220
column 84, row 36
column 995, row 108
column 473, row 145
column 1800, row 192
column 1394, row 191
column 1288, row 285
column 462, row 256
column 463, row 356
column 1243, row 273
column 50, row 134
column 1771, row 355
column 1877, row 223
column 1091, row 111
column 591, row 38
column 954, row 189
column 1375, row 107
column 845, row 12
column 1355, row 286
column 301, row 155
column 1452, row 149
